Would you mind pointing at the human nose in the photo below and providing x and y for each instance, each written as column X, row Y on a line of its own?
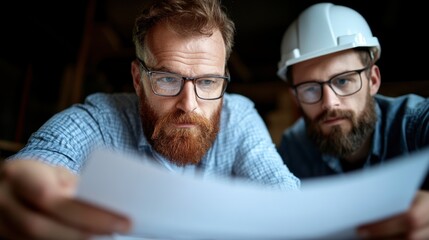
column 188, row 98
column 329, row 97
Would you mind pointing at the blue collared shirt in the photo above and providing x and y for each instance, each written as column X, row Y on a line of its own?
column 243, row 147
column 402, row 127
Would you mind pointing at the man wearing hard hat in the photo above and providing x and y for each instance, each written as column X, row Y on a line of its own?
column 328, row 57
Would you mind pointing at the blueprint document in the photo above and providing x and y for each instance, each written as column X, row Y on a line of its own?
column 167, row 205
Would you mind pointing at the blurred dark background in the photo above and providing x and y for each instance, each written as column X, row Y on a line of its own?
column 54, row 53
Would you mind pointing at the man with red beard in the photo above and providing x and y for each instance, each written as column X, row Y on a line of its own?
column 179, row 116
column 328, row 57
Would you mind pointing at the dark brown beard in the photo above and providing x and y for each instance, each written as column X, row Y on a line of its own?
column 337, row 142
column 180, row 146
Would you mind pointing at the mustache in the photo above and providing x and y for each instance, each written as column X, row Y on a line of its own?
column 335, row 113
column 178, row 117
column 186, row 118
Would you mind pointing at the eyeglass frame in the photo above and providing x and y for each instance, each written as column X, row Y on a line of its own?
column 321, row 83
column 193, row 79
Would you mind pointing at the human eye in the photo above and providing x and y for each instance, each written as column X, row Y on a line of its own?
column 309, row 88
column 165, row 78
column 166, row 83
column 344, row 81
column 309, row 92
column 208, row 82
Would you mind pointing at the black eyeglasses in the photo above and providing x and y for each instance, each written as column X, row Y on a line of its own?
column 168, row 84
column 343, row 84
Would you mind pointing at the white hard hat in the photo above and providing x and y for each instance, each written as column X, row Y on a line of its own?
column 321, row 29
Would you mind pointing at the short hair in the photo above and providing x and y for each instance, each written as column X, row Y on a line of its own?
column 186, row 17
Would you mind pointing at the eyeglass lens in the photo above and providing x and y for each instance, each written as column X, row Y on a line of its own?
column 168, row 84
column 343, row 85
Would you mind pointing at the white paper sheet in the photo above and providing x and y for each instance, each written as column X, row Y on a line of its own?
column 165, row 205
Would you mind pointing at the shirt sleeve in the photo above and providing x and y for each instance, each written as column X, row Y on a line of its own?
column 65, row 139
column 419, row 125
column 71, row 135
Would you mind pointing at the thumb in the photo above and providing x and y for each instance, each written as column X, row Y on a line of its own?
column 38, row 182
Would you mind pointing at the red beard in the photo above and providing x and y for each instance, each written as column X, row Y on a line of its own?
column 181, row 146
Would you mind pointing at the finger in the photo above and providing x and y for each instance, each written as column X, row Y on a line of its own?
column 19, row 222
column 394, row 226
column 89, row 217
column 79, row 214
column 33, row 225
column 67, row 180
column 33, row 180
column 414, row 222
column 7, row 230
column 49, row 190
column 418, row 214
column 422, row 233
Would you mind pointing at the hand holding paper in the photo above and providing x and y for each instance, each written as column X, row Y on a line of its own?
column 167, row 205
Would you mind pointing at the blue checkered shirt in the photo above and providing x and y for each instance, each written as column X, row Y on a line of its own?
column 242, row 149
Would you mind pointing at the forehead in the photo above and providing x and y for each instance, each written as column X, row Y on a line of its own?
column 326, row 66
column 170, row 48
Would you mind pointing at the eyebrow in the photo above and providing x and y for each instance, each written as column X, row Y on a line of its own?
column 167, row 70
column 335, row 75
